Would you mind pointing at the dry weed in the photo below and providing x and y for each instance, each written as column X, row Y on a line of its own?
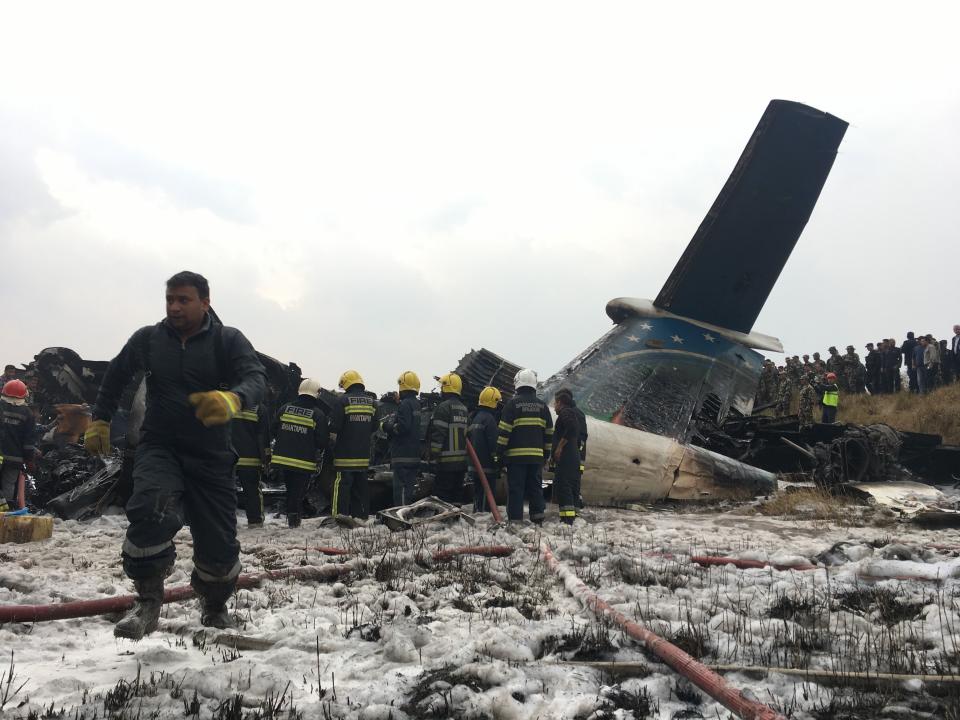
column 809, row 504
column 935, row 413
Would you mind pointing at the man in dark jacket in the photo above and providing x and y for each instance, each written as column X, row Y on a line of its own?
column 17, row 437
column 483, row 433
column 351, row 426
column 403, row 431
column 873, row 361
column 566, row 455
column 250, row 433
column 199, row 375
column 300, row 444
column 909, row 345
column 525, row 438
column 448, row 440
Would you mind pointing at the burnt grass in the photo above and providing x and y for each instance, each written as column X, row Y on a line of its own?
column 589, row 642
column 883, row 602
column 615, row 702
column 438, row 684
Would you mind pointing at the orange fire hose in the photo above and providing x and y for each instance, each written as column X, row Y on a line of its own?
column 494, row 510
column 696, row 672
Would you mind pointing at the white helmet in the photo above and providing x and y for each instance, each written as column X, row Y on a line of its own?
column 310, row 387
column 525, row 378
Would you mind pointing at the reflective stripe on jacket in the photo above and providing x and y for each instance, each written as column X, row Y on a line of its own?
column 301, row 435
column 526, row 429
column 351, row 421
column 448, row 434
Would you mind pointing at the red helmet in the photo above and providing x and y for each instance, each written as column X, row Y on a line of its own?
column 831, row 376
column 14, row 389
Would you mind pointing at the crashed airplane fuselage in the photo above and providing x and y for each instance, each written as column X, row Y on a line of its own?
column 689, row 356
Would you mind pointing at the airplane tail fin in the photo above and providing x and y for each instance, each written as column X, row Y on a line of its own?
column 732, row 262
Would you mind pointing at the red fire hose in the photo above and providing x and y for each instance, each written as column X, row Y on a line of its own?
column 120, row 603
column 699, row 674
column 748, row 564
column 494, row 510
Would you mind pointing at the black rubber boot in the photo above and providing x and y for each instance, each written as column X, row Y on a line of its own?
column 216, row 615
column 145, row 613
column 293, row 520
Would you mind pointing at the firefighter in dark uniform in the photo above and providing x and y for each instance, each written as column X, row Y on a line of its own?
column 17, row 439
column 199, row 375
column 482, row 432
column 250, row 433
column 403, row 431
column 351, row 425
column 582, row 446
column 566, row 455
column 448, row 440
column 299, row 446
column 525, row 438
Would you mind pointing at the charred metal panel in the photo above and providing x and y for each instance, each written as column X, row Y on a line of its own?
column 658, row 374
column 731, row 264
column 480, row 368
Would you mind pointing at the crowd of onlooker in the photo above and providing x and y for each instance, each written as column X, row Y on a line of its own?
column 927, row 362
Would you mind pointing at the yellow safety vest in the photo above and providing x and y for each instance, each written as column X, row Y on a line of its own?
column 831, row 398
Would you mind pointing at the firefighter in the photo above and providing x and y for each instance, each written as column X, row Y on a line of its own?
column 582, row 447
column 403, row 431
column 300, row 443
column 250, row 432
column 199, row 375
column 524, row 442
column 566, row 455
column 482, row 432
column 351, row 426
column 448, row 440
column 17, row 438
column 830, row 399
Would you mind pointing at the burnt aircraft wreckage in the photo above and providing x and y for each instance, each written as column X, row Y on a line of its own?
column 690, row 355
column 668, row 391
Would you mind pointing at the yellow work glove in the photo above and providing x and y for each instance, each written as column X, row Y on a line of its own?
column 215, row 407
column 96, row 439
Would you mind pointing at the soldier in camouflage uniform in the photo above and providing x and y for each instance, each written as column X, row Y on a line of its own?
column 853, row 371
column 835, row 365
column 808, row 399
column 796, row 370
column 819, row 366
column 767, row 389
column 807, row 365
column 785, row 393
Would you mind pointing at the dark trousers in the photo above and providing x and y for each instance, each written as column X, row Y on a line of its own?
column 448, row 485
column 9, row 475
column 404, row 483
column 168, row 486
column 829, row 414
column 479, row 494
column 351, row 494
column 296, row 482
column 564, row 490
column 578, row 498
column 524, row 482
column 912, row 377
column 249, row 479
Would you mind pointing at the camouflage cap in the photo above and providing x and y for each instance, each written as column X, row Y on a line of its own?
column 832, row 348
column 850, row 347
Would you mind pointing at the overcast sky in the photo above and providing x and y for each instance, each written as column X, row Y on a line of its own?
column 385, row 187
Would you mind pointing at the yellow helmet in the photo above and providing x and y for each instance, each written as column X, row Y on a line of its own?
column 350, row 377
column 451, row 383
column 490, row 397
column 408, row 380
